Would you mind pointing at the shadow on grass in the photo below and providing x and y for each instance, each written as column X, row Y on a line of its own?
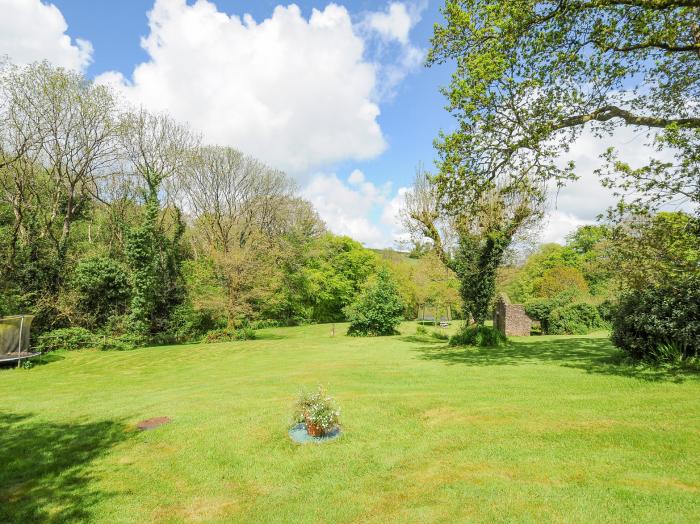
column 589, row 354
column 423, row 339
column 45, row 468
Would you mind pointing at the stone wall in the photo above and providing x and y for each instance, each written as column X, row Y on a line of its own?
column 511, row 319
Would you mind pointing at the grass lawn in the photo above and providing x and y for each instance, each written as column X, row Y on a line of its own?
column 546, row 429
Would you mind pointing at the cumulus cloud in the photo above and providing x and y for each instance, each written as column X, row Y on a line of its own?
column 296, row 93
column 31, row 31
column 389, row 31
column 394, row 24
column 349, row 207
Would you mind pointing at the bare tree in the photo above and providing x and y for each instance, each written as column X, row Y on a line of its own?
column 59, row 126
column 240, row 207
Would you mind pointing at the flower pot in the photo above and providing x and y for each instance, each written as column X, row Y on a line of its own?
column 313, row 429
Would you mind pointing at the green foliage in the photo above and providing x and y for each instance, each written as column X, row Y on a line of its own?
column 103, row 288
column 531, row 75
column 188, row 324
column 66, row 338
column 335, row 274
column 378, row 310
column 607, row 309
column 652, row 317
column 585, row 238
column 317, row 408
column 421, row 330
column 578, row 318
column 480, row 336
column 229, row 335
column 540, row 309
column 476, row 263
column 560, row 279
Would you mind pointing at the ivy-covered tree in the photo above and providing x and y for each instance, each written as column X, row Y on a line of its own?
column 471, row 228
column 154, row 148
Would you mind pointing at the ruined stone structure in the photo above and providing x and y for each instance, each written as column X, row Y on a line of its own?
column 511, row 319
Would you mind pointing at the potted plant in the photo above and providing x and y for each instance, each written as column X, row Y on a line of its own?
column 318, row 412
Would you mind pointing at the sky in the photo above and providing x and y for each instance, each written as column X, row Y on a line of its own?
column 335, row 94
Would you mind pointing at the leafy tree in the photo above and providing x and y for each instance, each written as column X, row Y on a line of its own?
column 559, row 279
column 531, row 75
column 335, row 274
column 662, row 248
column 471, row 224
column 378, row 310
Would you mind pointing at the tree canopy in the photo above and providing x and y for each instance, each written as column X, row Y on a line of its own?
column 531, row 75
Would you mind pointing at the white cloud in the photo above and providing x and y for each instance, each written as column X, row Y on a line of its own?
column 296, row 93
column 31, row 31
column 580, row 202
column 394, row 24
column 348, row 208
column 392, row 28
column 391, row 218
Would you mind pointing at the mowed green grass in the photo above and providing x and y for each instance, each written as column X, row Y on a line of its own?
column 546, row 429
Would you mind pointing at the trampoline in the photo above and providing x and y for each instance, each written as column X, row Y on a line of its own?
column 14, row 339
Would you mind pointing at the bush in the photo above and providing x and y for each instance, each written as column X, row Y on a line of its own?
column 188, row 324
column 540, row 309
column 121, row 343
column 481, row 336
column 66, row 338
column 574, row 319
column 378, row 310
column 606, row 310
column 421, row 330
column 229, row 335
column 264, row 324
column 103, row 287
column 650, row 318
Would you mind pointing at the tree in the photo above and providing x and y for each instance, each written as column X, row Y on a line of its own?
column 59, row 131
column 531, row 74
column 471, row 223
column 154, row 148
column 378, row 310
column 241, row 209
column 559, row 279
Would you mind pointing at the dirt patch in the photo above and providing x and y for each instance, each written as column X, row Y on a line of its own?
column 152, row 423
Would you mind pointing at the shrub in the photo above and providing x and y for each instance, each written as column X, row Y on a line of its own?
column 606, row 310
column 264, row 324
column 540, row 309
column 317, row 409
column 377, row 310
column 103, row 287
column 121, row 343
column 66, row 338
column 648, row 319
column 481, row 336
column 574, row 319
column 229, row 335
column 421, row 330
column 187, row 324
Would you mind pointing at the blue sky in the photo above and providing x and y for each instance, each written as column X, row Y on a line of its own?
column 334, row 94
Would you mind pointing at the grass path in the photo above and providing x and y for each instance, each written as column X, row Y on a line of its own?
column 547, row 429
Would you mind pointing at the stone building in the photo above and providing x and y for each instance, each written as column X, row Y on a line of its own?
column 511, row 319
